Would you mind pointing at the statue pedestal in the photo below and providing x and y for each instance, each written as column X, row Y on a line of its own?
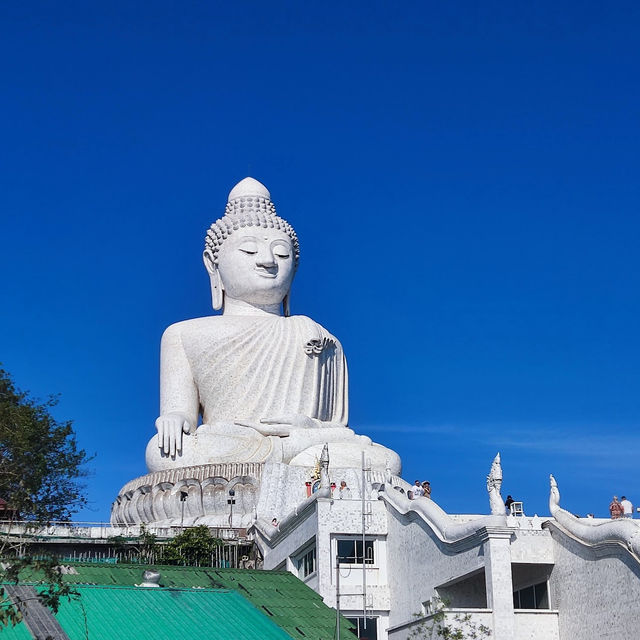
column 186, row 495
column 200, row 494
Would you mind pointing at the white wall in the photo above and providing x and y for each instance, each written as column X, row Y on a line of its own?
column 418, row 562
column 296, row 538
column 541, row 624
column 597, row 591
column 426, row 628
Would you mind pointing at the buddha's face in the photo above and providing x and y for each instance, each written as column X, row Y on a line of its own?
column 257, row 265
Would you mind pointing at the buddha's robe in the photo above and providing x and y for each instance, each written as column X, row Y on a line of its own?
column 272, row 367
column 247, row 369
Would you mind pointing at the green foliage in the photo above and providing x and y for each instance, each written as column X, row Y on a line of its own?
column 118, row 543
column 44, row 574
column 9, row 615
column 40, row 462
column 192, row 547
column 144, row 549
column 41, row 467
column 147, row 547
column 441, row 624
column 50, row 584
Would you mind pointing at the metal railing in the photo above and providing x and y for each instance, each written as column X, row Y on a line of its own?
column 100, row 542
column 105, row 530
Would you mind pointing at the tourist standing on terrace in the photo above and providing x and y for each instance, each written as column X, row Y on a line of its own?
column 616, row 509
column 627, row 507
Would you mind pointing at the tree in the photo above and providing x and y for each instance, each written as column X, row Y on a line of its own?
column 194, row 547
column 144, row 549
column 40, row 463
column 456, row 626
column 41, row 471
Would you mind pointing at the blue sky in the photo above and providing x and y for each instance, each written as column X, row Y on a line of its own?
column 463, row 179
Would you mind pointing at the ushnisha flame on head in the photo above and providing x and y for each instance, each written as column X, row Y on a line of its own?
column 249, row 205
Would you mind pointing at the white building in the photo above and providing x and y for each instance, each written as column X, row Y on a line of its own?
column 523, row 578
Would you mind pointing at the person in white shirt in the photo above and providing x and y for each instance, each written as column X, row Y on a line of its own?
column 627, row 506
column 418, row 491
column 344, row 492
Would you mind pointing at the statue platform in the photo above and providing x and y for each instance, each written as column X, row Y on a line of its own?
column 200, row 494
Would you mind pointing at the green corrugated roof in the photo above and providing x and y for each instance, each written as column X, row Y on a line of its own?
column 123, row 613
column 19, row 632
column 280, row 595
column 293, row 605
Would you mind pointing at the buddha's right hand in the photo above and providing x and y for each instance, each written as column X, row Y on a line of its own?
column 170, row 428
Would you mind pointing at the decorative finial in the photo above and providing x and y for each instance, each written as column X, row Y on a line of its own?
column 496, row 468
column 324, row 466
column 554, row 495
column 249, row 188
column 494, row 484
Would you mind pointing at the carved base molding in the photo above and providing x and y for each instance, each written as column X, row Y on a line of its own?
column 189, row 494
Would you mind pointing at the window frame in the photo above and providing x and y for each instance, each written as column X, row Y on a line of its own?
column 517, row 598
column 301, row 562
column 357, row 621
column 357, row 559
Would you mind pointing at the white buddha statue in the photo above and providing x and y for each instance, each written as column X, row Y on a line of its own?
column 268, row 386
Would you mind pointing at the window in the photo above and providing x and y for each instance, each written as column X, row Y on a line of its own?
column 370, row 632
column 350, row 551
column 534, row 597
column 307, row 563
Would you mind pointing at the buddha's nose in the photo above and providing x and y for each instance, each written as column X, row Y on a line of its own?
column 266, row 259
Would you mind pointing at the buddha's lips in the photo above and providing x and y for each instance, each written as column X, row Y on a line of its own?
column 265, row 274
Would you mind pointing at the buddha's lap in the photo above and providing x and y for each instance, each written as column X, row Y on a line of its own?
column 230, row 443
column 213, row 444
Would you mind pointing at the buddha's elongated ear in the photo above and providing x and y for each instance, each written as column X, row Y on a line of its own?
column 217, row 290
column 286, row 305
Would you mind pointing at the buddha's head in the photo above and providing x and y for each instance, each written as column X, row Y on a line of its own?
column 251, row 254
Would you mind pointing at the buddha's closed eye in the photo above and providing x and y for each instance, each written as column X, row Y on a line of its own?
column 249, row 247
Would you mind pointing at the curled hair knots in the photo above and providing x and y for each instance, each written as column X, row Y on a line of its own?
column 253, row 211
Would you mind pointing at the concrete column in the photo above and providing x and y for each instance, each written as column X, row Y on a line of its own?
column 497, row 571
column 324, row 557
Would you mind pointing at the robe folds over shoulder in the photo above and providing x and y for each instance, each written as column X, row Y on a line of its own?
column 274, row 367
